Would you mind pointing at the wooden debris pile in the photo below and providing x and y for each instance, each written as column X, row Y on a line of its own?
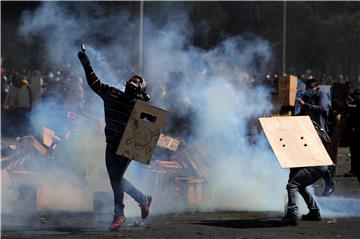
column 183, row 174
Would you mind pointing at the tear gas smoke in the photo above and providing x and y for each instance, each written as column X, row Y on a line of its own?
column 214, row 85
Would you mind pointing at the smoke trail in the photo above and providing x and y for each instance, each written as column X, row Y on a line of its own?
column 214, row 85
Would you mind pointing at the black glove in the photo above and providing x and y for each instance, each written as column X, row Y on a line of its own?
column 146, row 97
column 83, row 58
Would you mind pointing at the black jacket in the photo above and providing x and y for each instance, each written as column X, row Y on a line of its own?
column 117, row 106
column 317, row 108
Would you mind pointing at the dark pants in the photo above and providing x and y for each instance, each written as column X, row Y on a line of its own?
column 299, row 179
column 330, row 174
column 116, row 167
column 355, row 152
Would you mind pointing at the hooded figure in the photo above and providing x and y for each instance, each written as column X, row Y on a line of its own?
column 135, row 87
column 118, row 106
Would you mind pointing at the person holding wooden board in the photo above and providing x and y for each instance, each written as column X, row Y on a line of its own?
column 118, row 106
column 299, row 179
column 316, row 104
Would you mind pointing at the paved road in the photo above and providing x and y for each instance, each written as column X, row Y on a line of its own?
column 345, row 223
column 186, row 225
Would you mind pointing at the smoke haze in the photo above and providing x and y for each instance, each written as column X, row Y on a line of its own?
column 215, row 85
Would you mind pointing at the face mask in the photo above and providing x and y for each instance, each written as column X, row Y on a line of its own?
column 132, row 89
column 310, row 92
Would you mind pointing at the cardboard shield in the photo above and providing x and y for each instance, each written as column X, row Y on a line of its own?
column 142, row 132
column 295, row 141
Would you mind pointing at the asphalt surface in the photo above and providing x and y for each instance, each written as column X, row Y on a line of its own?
column 219, row 224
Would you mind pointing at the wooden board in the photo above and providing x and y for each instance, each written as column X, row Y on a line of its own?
column 64, row 198
column 5, row 178
column 49, row 137
column 287, row 90
column 141, row 135
column 36, row 86
column 12, row 98
column 295, row 141
column 168, row 142
column 24, row 97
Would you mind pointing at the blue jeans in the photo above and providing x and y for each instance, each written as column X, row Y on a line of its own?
column 116, row 166
column 299, row 179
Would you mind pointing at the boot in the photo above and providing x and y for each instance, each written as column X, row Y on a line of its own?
column 328, row 189
column 313, row 215
column 290, row 219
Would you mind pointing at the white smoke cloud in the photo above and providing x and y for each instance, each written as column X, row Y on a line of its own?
column 216, row 85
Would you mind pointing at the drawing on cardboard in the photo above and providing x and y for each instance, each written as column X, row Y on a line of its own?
column 142, row 132
column 142, row 137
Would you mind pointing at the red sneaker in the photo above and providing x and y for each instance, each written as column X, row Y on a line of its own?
column 117, row 222
column 145, row 207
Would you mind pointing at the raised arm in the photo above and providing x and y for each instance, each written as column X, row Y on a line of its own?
column 93, row 81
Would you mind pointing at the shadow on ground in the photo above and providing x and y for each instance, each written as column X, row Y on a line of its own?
column 244, row 223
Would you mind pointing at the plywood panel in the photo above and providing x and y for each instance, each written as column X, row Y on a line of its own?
column 64, row 197
column 142, row 132
column 295, row 141
column 24, row 97
column 36, row 86
column 169, row 142
column 287, row 90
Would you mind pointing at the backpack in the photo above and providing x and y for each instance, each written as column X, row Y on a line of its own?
column 325, row 138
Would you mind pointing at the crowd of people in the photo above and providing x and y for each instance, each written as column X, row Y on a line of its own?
column 62, row 84
column 65, row 86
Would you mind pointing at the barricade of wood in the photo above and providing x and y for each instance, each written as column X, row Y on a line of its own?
column 183, row 175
